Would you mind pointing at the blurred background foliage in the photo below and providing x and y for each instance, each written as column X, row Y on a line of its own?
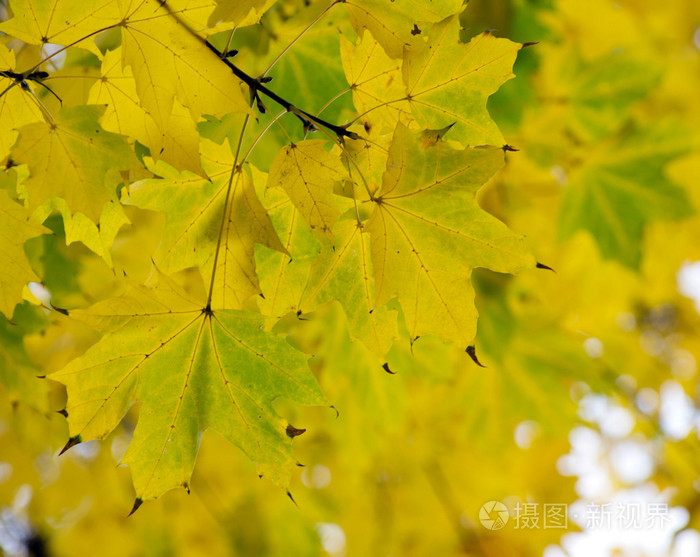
column 590, row 391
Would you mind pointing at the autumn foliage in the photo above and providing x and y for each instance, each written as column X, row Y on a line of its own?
column 254, row 235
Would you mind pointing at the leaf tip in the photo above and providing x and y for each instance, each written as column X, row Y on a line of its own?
column 63, row 412
column 293, row 432
column 509, row 148
column 72, row 442
column 337, row 414
column 289, row 494
column 187, row 487
column 137, row 503
column 471, row 350
column 385, row 367
column 60, row 310
column 543, row 266
column 525, row 45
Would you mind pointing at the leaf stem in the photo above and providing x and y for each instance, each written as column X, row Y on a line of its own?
column 236, row 169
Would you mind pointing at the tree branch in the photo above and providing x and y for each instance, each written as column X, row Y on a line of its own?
column 257, row 87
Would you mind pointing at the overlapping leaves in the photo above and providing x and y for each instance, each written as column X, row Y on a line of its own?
column 364, row 223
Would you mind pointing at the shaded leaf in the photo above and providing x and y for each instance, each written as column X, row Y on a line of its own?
column 622, row 187
column 16, row 228
column 17, row 108
column 75, row 159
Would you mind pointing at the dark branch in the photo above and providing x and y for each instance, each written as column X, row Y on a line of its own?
column 257, row 87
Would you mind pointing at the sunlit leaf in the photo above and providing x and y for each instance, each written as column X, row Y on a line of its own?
column 192, row 369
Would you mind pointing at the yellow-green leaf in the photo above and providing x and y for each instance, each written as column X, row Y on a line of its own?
column 395, row 24
column 17, row 107
column 16, row 228
column 75, row 159
column 55, row 21
column 306, row 172
column 191, row 369
column 622, row 187
column 428, row 233
column 448, row 82
column 376, row 81
column 240, row 12
column 194, row 208
column 176, row 141
column 181, row 66
column 343, row 272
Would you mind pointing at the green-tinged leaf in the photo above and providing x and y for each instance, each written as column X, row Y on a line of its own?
column 306, row 172
column 428, row 233
column 191, row 369
column 622, row 187
column 599, row 96
column 448, row 82
column 343, row 272
column 176, row 141
column 75, row 159
column 396, row 23
column 17, row 373
column 194, row 209
column 16, row 228
column 531, row 367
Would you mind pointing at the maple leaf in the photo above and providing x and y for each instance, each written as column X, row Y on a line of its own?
column 182, row 67
column 77, row 227
column 428, row 233
column 75, row 159
column 283, row 276
column 622, row 187
column 449, row 82
column 194, row 208
column 375, row 79
column 175, row 141
column 192, row 369
column 306, row 172
column 343, row 272
column 395, row 24
column 53, row 21
column 15, row 272
column 17, row 373
column 593, row 100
